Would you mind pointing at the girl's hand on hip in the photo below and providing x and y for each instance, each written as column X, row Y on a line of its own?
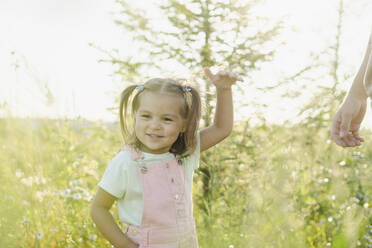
column 223, row 79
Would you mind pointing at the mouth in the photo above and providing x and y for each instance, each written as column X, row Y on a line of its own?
column 154, row 136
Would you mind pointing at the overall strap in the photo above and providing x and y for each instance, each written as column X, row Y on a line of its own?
column 135, row 154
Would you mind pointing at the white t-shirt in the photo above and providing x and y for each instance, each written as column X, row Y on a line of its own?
column 121, row 180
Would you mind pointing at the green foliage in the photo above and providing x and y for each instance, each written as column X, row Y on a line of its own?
column 270, row 186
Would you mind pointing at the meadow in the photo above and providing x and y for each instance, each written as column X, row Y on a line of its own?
column 268, row 186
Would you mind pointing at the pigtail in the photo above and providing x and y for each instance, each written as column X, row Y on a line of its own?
column 124, row 113
column 194, row 112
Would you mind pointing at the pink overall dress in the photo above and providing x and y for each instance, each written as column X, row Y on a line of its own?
column 167, row 219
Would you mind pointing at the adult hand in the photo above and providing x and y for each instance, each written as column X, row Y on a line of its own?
column 346, row 122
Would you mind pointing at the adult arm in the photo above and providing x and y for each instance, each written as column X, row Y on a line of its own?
column 346, row 123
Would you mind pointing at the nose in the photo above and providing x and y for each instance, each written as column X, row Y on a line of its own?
column 155, row 124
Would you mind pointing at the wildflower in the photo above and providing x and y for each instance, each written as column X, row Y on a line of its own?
column 92, row 237
column 75, row 164
column 231, row 246
column 76, row 196
column 66, row 193
column 75, row 182
column 326, row 180
column 333, row 197
column 330, row 219
column 39, row 235
column 19, row 173
column 39, row 196
column 27, row 181
column 365, row 205
column 342, row 163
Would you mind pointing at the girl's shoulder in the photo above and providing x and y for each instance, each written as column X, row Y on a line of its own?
column 124, row 157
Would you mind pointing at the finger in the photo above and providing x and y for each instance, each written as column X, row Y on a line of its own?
column 345, row 124
column 234, row 77
column 222, row 73
column 208, row 72
column 339, row 141
column 350, row 141
column 357, row 136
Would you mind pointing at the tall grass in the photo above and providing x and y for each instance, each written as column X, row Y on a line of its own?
column 271, row 186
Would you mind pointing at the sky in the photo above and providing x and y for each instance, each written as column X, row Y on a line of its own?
column 48, row 68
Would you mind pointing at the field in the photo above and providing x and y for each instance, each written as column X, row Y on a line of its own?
column 267, row 186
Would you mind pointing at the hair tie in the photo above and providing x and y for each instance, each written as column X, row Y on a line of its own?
column 186, row 88
column 140, row 87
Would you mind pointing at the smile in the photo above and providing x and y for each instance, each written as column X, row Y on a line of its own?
column 154, row 136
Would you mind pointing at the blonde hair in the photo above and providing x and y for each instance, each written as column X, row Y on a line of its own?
column 129, row 104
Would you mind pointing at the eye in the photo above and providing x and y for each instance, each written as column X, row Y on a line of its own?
column 168, row 119
column 146, row 116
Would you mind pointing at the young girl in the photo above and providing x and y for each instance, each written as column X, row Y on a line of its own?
column 151, row 178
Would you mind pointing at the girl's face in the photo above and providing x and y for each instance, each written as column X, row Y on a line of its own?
column 158, row 121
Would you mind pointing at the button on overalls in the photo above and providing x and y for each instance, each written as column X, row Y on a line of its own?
column 167, row 220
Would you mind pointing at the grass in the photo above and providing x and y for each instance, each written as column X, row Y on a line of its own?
column 268, row 186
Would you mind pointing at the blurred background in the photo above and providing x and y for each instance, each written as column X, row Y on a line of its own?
column 277, row 181
column 53, row 60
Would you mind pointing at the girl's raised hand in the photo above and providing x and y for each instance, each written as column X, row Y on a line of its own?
column 223, row 79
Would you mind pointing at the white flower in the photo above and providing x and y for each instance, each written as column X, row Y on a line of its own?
column 39, row 195
column 93, row 237
column 76, row 196
column 76, row 164
column 333, row 197
column 39, row 235
column 19, row 173
column 330, row 219
column 66, row 193
column 342, row 163
column 231, row 246
column 27, row 181
column 365, row 205
column 326, row 180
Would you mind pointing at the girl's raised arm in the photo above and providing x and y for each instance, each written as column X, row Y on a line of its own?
column 224, row 114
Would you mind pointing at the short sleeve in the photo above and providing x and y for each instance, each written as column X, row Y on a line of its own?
column 114, row 180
